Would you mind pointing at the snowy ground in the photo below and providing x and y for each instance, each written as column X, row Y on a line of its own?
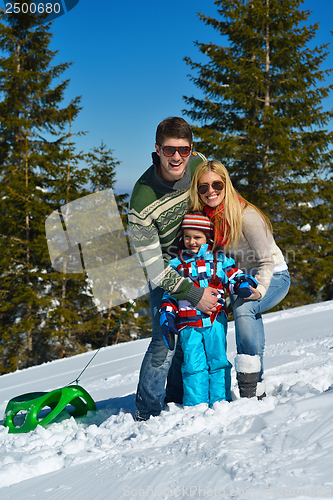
column 281, row 447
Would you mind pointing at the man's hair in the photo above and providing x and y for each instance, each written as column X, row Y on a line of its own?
column 174, row 128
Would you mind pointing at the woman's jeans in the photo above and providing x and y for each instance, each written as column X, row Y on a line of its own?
column 250, row 336
column 155, row 367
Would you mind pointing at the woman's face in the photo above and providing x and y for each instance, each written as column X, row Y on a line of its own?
column 213, row 197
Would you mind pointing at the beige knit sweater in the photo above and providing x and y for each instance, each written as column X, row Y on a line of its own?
column 257, row 253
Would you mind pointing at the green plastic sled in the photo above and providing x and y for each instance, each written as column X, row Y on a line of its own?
column 57, row 400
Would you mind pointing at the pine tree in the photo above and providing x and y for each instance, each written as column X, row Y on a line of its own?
column 262, row 117
column 30, row 110
column 44, row 313
column 112, row 325
column 73, row 304
column 102, row 168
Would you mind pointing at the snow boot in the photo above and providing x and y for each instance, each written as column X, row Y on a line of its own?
column 247, row 384
column 248, row 369
column 140, row 418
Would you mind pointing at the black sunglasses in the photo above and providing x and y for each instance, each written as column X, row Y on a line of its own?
column 170, row 150
column 216, row 185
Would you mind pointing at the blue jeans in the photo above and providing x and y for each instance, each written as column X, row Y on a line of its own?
column 155, row 367
column 250, row 335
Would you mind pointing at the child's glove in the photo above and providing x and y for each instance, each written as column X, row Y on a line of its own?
column 169, row 329
column 242, row 285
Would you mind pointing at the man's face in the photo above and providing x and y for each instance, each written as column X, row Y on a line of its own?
column 172, row 168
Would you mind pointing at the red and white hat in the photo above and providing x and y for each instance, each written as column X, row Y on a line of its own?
column 198, row 221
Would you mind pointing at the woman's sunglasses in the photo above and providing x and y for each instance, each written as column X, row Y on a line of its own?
column 169, row 151
column 216, row 185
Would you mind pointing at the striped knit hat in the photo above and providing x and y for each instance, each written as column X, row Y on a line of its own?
column 198, row 221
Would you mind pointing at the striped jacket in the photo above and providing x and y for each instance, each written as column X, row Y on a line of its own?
column 206, row 268
column 155, row 215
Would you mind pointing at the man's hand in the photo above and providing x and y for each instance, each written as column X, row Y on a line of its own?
column 208, row 301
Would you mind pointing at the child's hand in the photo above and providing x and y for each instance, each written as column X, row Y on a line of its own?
column 169, row 329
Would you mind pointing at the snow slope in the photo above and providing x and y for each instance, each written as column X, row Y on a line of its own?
column 281, row 447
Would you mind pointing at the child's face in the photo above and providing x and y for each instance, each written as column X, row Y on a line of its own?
column 193, row 239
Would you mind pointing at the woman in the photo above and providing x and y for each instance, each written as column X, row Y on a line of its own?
column 245, row 233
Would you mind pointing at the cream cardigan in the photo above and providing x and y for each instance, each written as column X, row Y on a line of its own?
column 257, row 253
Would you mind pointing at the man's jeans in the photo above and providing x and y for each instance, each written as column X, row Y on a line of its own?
column 155, row 367
column 250, row 336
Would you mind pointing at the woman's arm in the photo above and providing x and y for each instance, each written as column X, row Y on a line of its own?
column 258, row 256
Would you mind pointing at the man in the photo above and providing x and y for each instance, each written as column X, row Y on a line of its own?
column 157, row 206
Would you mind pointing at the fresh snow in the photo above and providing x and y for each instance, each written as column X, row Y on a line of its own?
column 281, row 447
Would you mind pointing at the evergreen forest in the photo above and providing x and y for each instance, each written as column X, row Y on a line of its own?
column 260, row 111
column 46, row 314
column 262, row 115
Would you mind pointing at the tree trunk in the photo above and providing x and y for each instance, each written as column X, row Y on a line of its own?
column 267, row 99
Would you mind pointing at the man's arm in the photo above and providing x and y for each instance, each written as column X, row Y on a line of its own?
column 147, row 245
column 208, row 301
column 146, row 241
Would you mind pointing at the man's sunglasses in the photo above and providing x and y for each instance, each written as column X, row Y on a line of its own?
column 169, row 151
column 216, row 185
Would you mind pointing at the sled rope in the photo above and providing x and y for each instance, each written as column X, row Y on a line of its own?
column 113, row 329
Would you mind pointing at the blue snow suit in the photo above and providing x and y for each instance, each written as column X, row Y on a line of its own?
column 206, row 369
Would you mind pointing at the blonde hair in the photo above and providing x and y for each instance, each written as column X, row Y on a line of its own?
column 228, row 221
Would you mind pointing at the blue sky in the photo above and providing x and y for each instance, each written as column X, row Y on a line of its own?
column 128, row 67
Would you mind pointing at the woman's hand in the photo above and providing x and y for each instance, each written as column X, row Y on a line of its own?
column 208, row 301
column 256, row 295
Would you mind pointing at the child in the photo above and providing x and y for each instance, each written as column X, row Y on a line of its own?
column 205, row 369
